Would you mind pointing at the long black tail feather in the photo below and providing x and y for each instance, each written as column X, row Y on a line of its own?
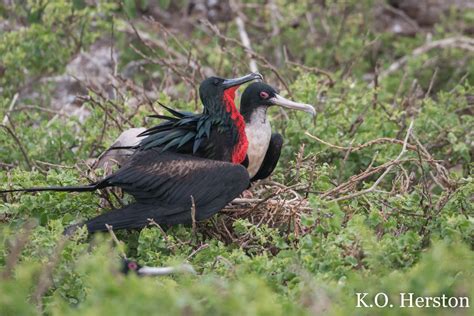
column 132, row 216
column 135, row 216
column 78, row 188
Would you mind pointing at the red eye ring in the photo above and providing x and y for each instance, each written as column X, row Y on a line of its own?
column 264, row 95
column 132, row 265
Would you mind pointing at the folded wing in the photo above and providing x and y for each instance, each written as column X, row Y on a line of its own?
column 165, row 185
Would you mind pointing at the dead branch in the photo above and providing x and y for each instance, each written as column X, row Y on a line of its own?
column 460, row 42
column 193, row 213
column 387, row 170
column 200, row 248
column 314, row 70
column 244, row 37
column 178, row 57
column 20, row 146
column 382, row 140
column 262, row 59
column 10, row 109
column 17, row 247
column 117, row 242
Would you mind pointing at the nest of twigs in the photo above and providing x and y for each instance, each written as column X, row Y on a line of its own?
column 272, row 205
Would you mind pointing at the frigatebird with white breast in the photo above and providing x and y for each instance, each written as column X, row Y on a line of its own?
column 264, row 147
column 193, row 163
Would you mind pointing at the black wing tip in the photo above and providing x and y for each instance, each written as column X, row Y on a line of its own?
column 176, row 113
column 122, row 147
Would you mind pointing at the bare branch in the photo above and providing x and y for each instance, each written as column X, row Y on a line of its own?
column 387, row 170
column 10, row 109
column 460, row 42
column 244, row 37
column 117, row 242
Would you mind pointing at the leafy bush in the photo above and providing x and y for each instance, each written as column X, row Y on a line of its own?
column 411, row 231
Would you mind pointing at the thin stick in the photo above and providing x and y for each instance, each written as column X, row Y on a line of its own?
column 17, row 247
column 193, row 214
column 362, row 146
column 10, row 109
column 250, row 52
column 116, row 240
column 315, row 70
column 244, row 37
column 23, row 151
column 457, row 42
column 374, row 186
column 435, row 72
column 202, row 247
column 343, row 165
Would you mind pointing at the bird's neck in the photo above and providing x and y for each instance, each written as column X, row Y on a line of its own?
column 240, row 141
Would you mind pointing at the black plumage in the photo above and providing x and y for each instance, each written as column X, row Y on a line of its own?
column 271, row 157
column 256, row 99
column 191, row 160
column 165, row 184
column 208, row 134
column 202, row 135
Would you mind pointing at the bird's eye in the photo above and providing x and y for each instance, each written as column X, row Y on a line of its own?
column 216, row 82
column 264, row 95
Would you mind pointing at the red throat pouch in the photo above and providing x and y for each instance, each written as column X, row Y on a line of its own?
column 240, row 149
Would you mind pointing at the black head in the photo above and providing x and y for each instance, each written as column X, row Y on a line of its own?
column 261, row 95
column 212, row 89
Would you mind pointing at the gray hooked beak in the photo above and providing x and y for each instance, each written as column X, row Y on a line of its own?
column 229, row 83
column 281, row 101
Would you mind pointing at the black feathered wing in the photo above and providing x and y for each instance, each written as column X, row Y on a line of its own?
column 272, row 156
column 182, row 132
column 164, row 185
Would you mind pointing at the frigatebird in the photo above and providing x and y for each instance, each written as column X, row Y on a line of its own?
column 264, row 147
column 254, row 147
column 184, row 171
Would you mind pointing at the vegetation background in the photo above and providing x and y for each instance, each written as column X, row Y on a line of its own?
column 373, row 195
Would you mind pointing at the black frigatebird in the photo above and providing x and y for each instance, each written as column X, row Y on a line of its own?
column 187, row 168
column 264, row 147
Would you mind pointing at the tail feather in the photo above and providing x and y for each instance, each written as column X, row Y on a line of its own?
column 78, row 188
column 135, row 216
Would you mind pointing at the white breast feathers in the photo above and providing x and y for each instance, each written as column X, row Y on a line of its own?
column 259, row 133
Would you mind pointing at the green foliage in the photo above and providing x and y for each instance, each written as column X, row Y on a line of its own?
column 390, row 240
column 56, row 30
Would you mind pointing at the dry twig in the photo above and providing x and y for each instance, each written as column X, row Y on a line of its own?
column 265, row 63
column 451, row 42
column 17, row 247
column 282, row 209
column 244, row 37
column 387, row 170
column 117, row 242
column 193, row 213
column 10, row 109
